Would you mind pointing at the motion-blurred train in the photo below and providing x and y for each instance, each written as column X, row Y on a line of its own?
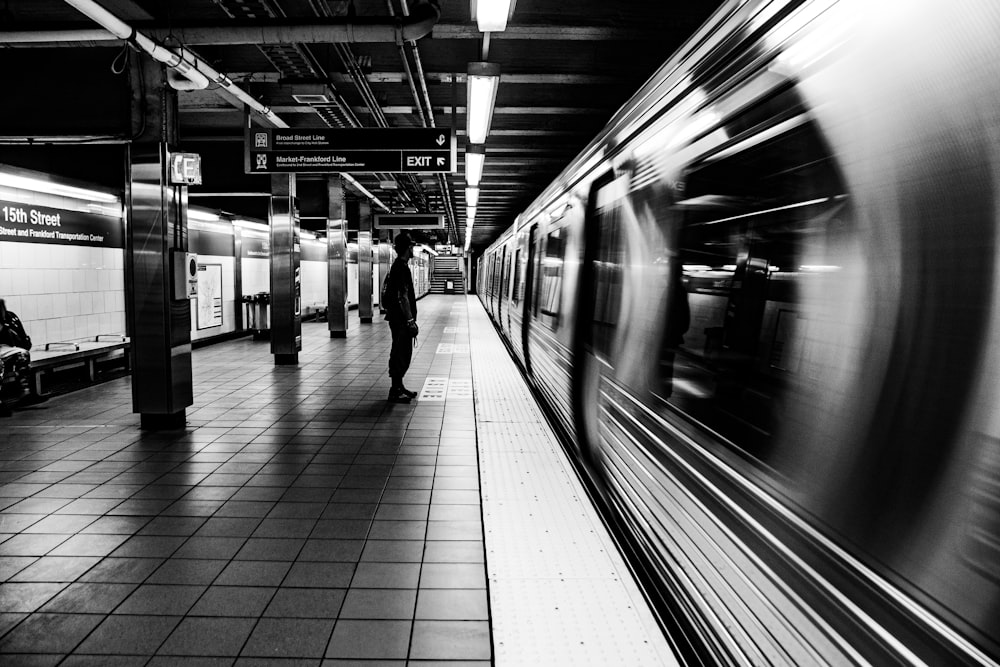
column 762, row 309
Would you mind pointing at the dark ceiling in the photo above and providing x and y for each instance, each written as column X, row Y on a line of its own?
column 566, row 68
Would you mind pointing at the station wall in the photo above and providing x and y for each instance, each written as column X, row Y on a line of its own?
column 62, row 268
column 62, row 264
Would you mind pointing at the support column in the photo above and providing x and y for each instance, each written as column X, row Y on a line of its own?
column 336, row 252
column 365, row 262
column 159, row 317
column 238, row 275
column 286, row 293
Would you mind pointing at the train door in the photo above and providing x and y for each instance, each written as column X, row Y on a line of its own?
column 498, row 305
column 529, row 292
column 599, row 305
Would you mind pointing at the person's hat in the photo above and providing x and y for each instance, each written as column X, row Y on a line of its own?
column 402, row 242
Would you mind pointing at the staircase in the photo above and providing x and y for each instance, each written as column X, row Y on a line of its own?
column 447, row 270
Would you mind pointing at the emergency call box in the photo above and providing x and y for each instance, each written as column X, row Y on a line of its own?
column 185, row 270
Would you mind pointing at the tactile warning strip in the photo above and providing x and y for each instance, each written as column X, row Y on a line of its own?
column 560, row 593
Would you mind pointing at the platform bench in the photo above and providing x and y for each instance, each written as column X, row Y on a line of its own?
column 66, row 354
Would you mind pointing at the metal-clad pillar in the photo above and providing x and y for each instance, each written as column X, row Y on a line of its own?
column 286, row 294
column 159, row 317
column 336, row 253
column 365, row 262
column 238, row 275
column 384, row 261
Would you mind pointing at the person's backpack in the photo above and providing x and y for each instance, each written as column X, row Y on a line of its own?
column 383, row 296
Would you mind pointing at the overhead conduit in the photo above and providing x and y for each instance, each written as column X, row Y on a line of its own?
column 200, row 74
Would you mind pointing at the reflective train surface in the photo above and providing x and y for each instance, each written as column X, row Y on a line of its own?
column 763, row 310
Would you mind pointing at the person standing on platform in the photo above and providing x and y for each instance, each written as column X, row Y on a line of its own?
column 400, row 304
column 14, row 357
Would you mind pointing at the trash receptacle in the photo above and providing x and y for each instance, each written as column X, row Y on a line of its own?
column 257, row 314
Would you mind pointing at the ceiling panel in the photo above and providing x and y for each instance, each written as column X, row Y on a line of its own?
column 566, row 68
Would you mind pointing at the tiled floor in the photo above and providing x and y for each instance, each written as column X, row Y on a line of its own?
column 299, row 519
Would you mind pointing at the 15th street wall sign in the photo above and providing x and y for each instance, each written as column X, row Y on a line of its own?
column 415, row 150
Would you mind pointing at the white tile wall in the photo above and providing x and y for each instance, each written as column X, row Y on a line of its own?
column 64, row 292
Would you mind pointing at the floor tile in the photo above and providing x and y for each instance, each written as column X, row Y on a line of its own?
column 233, row 601
column 160, row 600
column 269, row 548
column 187, row 571
column 208, row 636
column 451, row 640
column 369, row 639
column 277, row 637
column 253, row 572
column 89, row 598
column 31, row 545
column 210, row 547
column 88, row 545
column 331, row 550
column 452, row 575
column 320, row 575
column 452, row 604
column 306, row 603
column 56, row 568
column 454, row 552
column 129, row 635
column 148, row 546
column 379, row 603
column 122, row 570
column 26, row 597
column 49, row 633
column 386, row 575
column 11, row 565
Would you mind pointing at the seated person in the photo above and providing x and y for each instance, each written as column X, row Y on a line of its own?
column 14, row 359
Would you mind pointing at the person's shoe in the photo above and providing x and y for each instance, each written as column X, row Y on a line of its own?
column 407, row 392
column 396, row 395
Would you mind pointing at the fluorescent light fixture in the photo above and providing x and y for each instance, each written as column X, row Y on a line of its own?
column 363, row 190
column 48, row 187
column 471, row 196
column 492, row 15
column 221, row 227
column 252, row 225
column 202, row 216
column 475, row 157
column 481, row 86
column 470, row 212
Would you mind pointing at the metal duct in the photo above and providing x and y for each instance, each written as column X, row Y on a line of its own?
column 419, row 23
column 180, row 59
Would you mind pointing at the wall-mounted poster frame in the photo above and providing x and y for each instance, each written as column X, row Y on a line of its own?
column 209, row 296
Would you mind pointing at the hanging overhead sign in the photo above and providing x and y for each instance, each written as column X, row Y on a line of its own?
column 409, row 221
column 417, row 150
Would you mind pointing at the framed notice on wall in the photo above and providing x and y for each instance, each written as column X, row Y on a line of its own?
column 209, row 296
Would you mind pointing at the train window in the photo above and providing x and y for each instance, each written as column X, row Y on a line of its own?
column 505, row 279
column 551, row 282
column 609, row 266
column 751, row 259
column 516, row 296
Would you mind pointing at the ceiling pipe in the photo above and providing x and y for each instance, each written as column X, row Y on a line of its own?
column 180, row 59
column 418, row 24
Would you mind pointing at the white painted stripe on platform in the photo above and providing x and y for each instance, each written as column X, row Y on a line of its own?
column 434, row 389
column 452, row 348
column 560, row 593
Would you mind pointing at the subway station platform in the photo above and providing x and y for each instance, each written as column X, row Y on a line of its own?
column 301, row 519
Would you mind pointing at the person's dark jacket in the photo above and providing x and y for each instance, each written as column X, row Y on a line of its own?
column 13, row 332
column 401, row 302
